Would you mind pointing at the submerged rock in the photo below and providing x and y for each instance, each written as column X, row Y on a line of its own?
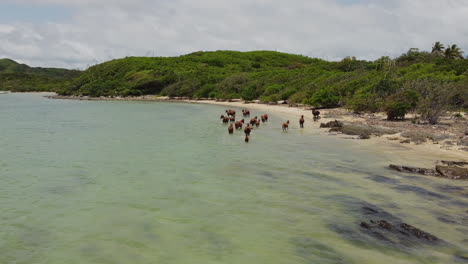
column 408, row 169
column 455, row 170
column 452, row 172
column 377, row 227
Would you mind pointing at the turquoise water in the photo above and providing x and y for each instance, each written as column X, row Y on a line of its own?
column 135, row 182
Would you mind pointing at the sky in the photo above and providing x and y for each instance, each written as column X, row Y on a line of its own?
column 76, row 34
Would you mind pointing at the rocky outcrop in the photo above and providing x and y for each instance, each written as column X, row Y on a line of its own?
column 332, row 124
column 455, row 170
column 452, row 172
column 408, row 169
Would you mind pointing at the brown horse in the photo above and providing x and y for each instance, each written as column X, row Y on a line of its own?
column 247, row 130
column 232, row 118
column 286, row 125
column 301, row 121
column 257, row 123
column 265, row 117
column 231, row 129
column 253, row 121
column 225, row 119
column 231, row 112
column 245, row 112
column 239, row 124
column 316, row 114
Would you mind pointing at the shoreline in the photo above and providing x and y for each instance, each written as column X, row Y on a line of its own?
column 394, row 145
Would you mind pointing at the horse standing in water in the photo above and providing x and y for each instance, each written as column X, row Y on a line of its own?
column 247, row 130
column 245, row 112
column 225, row 119
column 257, row 123
column 316, row 114
column 286, row 126
column 301, row 121
column 239, row 124
column 264, row 118
column 231, row 129
column 232, row 118
column 231, row 112
column 253, row 121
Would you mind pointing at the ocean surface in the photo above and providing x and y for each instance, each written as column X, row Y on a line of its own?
column 150, row 182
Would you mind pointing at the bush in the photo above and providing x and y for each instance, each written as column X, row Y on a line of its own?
column 298, row 97
column 324, row 98
column 398, row 105
column 363, row 103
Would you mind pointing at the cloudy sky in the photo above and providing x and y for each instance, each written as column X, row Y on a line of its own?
column 80, row 33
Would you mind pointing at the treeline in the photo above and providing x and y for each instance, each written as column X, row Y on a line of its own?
column 22, row 78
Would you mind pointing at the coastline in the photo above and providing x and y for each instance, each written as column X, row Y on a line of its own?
column 394, row 145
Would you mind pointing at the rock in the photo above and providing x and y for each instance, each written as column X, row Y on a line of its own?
column 452, row 172
column 332, row 124
column 454, row 163
column 407, row 169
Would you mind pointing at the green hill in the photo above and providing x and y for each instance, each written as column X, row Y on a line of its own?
column 272, row 76
column 22, row 78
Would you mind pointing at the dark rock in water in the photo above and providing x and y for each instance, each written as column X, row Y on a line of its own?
column 420, row 191
column 454, row 163
column 452, row 172
column 377, row 227
column 407, row 169
column 455, row 170
column 331, row 124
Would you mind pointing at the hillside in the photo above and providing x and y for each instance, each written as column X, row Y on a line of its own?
column 272, row 76
column 22, row 78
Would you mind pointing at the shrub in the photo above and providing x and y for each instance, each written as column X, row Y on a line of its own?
column 398, row 105
column 324, row 98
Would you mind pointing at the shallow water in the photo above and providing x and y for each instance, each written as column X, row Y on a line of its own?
column 135, row 182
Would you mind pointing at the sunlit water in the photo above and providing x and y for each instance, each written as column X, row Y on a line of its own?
column 134, row 182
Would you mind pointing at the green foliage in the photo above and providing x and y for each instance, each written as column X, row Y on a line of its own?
column 325, row 98
column 399, row 104
column 363, row 86
column 22, row 78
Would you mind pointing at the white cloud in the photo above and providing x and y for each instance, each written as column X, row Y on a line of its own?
column 102, row 30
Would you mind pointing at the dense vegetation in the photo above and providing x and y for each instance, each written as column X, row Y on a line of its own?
column 22, row 78
column 422, row 81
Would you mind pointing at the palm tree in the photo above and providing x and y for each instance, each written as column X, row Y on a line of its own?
column 438, row 48
column 453, row 52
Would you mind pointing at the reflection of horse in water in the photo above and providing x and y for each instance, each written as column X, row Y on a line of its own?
column 316, row 114
column 286, row 126
column 246, row 139
column 301, row 121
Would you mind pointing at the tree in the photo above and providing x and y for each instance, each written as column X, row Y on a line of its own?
column 438, row 48
column 453, row 52
column 399, row 104
column 434, row 98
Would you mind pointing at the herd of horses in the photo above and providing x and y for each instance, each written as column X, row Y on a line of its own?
column 230, row 117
